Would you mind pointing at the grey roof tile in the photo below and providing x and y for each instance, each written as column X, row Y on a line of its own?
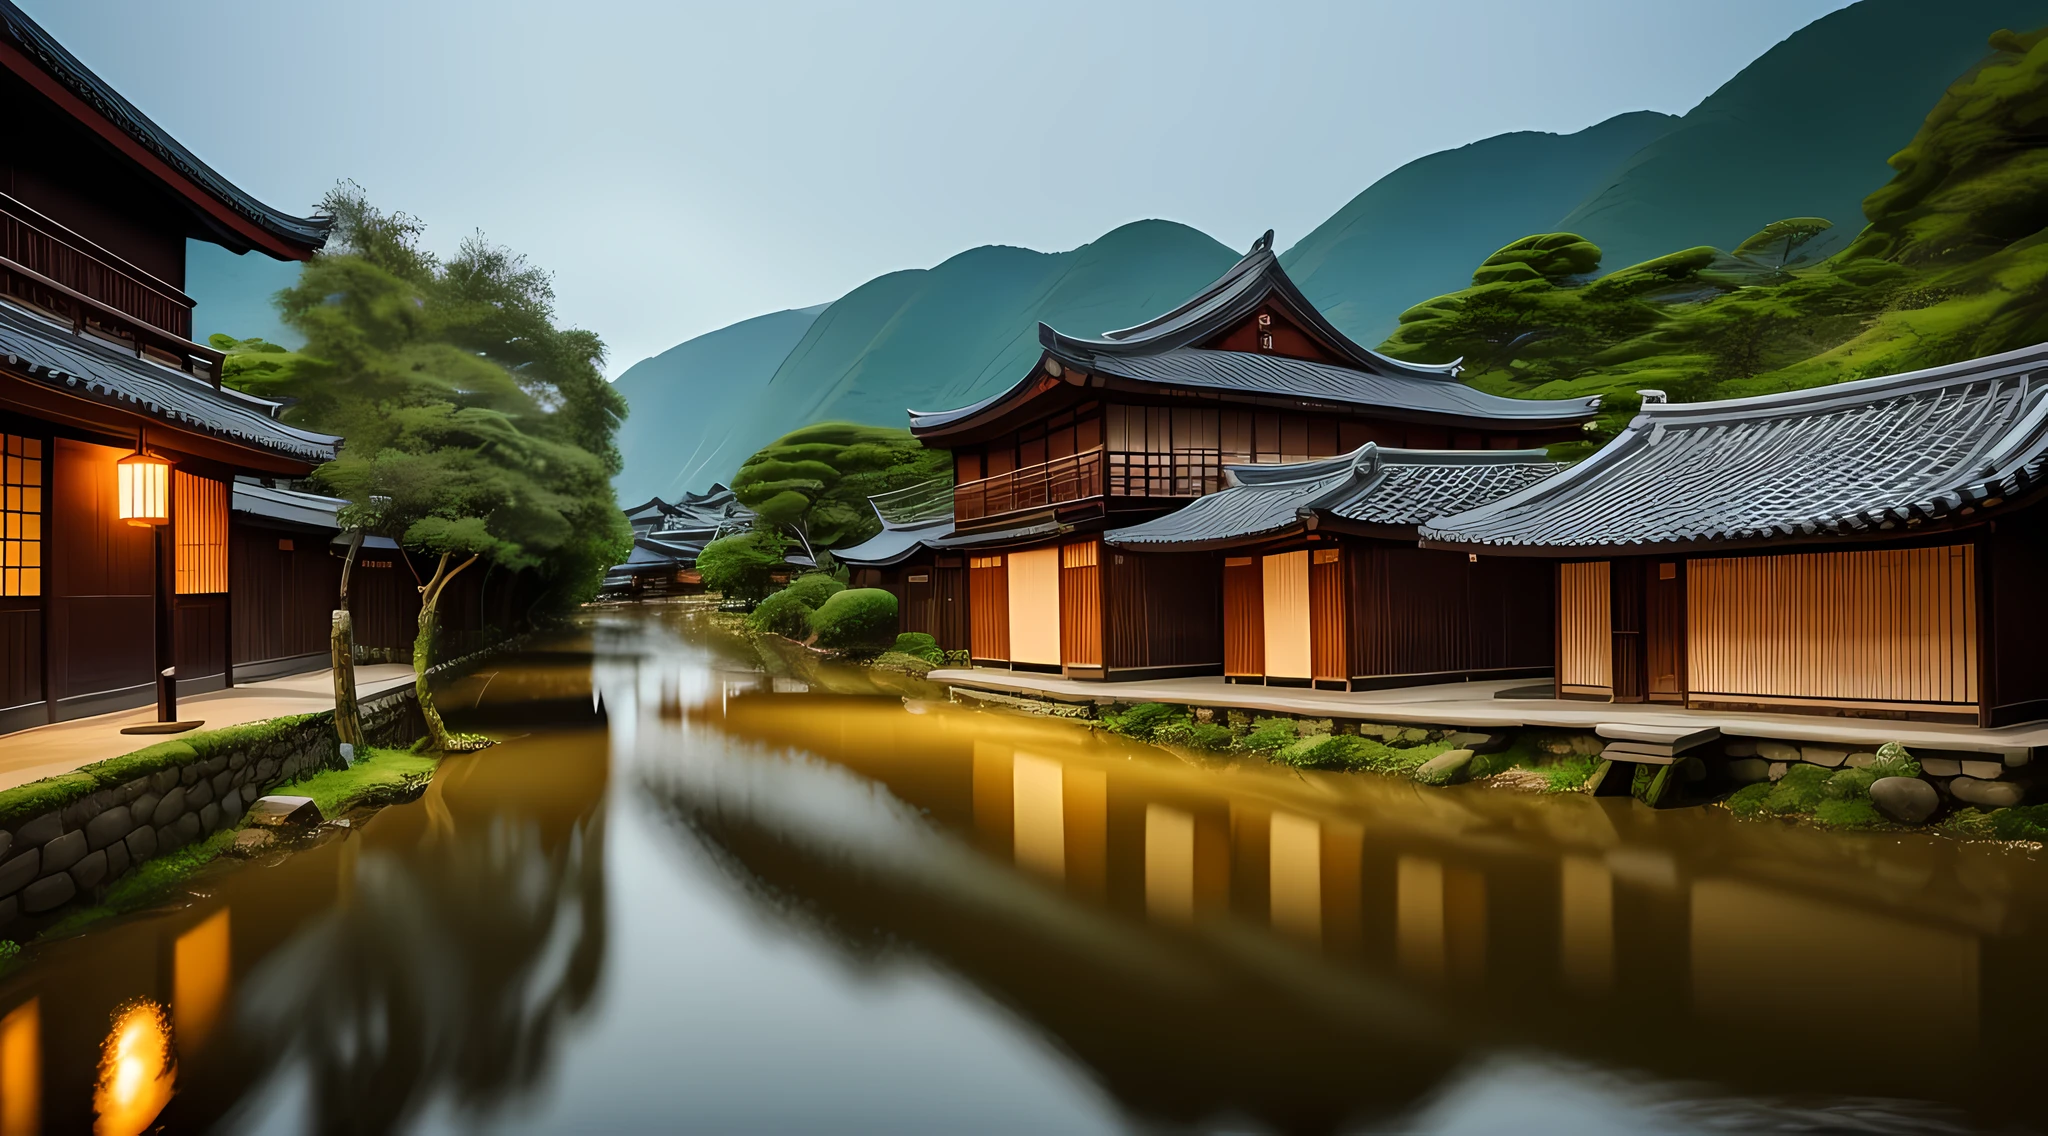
column 310, row 509
column 1870, row 456
column 82, row 365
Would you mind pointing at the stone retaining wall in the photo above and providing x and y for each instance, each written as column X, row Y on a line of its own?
column 72, row 854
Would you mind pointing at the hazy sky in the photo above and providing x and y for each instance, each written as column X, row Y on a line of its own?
column 682, row 166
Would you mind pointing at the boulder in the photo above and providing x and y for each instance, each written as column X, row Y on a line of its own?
column 63, row 852
column 1777, row 752
column 6, row 843
column 1827, row 757
column 1907, row 800
column 48, row 892
column 20, row 870
column 170, row 808
column 284, row 812
column 209, row 817
column 39, row 831
column 168, row 840
column 141, row 844
column 163, row 781
column 1413, row 737
column 1739, row 747
column 1749, row 770
column 250, row 841
column 231, row 805
column 117, row 859
column 1941, row 766
column 1983, row 770
column 1479, row 742
column 1444, row 767
column 1775, row 769
column 143, row 808
column 88, row 873
column 108, row 827
column 222, row 782
column 199, row 795
column 187, row 827
column 1859, row 760
column 1986, row 794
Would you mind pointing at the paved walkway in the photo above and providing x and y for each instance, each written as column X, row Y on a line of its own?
column 44, row 751
column 1474, row 704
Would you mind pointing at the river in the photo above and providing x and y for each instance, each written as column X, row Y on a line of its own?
column 683, row 894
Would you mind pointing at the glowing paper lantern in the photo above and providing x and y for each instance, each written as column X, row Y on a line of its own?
column 143, row 484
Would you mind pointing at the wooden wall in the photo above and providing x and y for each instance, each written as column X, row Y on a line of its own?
column 102, row 607
column 1035, row 606
column 1585, row 638
column 1329, row 628
column 2013, row 555
column 1164, row 613
column 1080, row 583
column 1421, row 614
column 1244, row 617
column 202, row 660
column 1864, row 626
column 1284, row 582
column 284, row 585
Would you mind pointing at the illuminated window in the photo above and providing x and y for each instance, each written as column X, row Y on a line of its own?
column 201, row 518
column 21, row 518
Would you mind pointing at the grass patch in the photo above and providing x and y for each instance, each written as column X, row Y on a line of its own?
column 2021, row 822
column 147, row 885
column 51, row 793
column 1270, row 735
column 378, row 776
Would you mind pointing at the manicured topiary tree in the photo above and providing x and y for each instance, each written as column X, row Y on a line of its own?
column 741, row 567
column 815, row 481
column 856, row 618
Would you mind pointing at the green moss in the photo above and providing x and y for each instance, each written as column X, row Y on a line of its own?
column 1798, row 792
column 2022, row 822
column 378, row 776
column 36, row 797
column 1269, row 735
column 1567, row 774
column 146, row 886
column 1141, row 720
column 893, row 660
column 1851, row 784
column 1751, row 800
column 1194, row 735
column 920, row 645
column 1837, row 812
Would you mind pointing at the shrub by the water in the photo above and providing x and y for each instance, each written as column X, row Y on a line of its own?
column 784, row 613
column 856, row 617
column 1141, row 720
column 918, row 645
column 1192, row 734
column 812, row 589
column 1270, row 735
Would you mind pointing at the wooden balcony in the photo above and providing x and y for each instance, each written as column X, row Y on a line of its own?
column 51, row 269
column 1057, row 482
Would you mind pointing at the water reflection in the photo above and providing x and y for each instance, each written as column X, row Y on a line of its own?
column 200, row 980
column 136, row 1071
column 21, row 1070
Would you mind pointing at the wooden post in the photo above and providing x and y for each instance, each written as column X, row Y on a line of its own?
column 166, row 544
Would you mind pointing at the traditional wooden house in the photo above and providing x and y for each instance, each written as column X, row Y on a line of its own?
column 1107, row 432
column 283, row 579
column 120, row 443
column 667, row 538
column 1870, row 548
column 1322, row 583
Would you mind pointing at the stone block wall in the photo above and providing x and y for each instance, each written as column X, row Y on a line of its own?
column 70, row 855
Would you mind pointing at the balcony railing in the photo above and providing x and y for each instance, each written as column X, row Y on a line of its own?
column 915, row 504
column 1056, row 482
column 48, row 267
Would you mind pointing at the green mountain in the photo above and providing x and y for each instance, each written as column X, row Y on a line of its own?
column 1419, row 230
column 1802, row 132
column 1953, row 265
column 928, row 339
column 680, row 402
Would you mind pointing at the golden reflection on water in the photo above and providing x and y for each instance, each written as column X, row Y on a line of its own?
column 21, row 1070
column 199, row 982
column 137, row 1072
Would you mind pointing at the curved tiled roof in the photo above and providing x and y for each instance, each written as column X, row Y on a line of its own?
column 894, row 544
column 311, row 509
column 1868, row 457
column 1371, row 487
column 1163, row 351
column 26, row 36
column 82, row 365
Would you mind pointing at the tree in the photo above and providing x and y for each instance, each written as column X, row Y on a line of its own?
column 815, row 481
column 1781, row 244
column 475, row 428
column 742, row 567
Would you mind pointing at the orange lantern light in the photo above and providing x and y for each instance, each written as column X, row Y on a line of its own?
column 143, row 486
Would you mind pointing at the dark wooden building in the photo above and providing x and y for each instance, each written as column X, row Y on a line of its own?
column 667, row 536
column 1322, row 583
column 1872, row 548
column 116, row 553
column 283, row 580
column 1109, row 432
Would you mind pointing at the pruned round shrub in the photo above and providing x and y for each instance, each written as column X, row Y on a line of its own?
column 855, row 618
column 784, row 613
column 918, row 645
column 813, row 589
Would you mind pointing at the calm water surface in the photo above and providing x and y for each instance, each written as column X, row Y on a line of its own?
column 688, row 895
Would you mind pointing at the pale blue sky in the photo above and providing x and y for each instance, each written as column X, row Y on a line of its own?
column 682, row 166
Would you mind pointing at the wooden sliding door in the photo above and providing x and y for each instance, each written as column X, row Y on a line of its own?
column 101, row 587
column 1585, row 635
column 1244, row 618
column 988, row 585
column 1329, row 642
column 1035, row 607
column 1080, row 603
column 1856, row 629
column 1284, row 578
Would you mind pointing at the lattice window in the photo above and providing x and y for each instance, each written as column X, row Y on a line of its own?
column 201, row 518
column 21, row 518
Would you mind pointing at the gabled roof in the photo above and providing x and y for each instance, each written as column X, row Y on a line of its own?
column 1382, row 492
column 1874, row 457
column 1166, row 352
column 74, row 87
column 90, row 368
column 1238, row 293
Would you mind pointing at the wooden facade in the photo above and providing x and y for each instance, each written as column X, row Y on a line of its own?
column 1896, row 631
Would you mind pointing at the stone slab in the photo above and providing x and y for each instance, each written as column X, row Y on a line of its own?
column 282, row 812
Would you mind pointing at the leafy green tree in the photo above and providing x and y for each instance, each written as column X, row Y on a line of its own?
column 1781, row 244
column 815, row 481
column 475, row 428
column 741, row 567
column 1544, row 256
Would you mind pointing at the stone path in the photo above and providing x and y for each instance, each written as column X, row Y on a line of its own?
column 1473, row 704
column 30, row 755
